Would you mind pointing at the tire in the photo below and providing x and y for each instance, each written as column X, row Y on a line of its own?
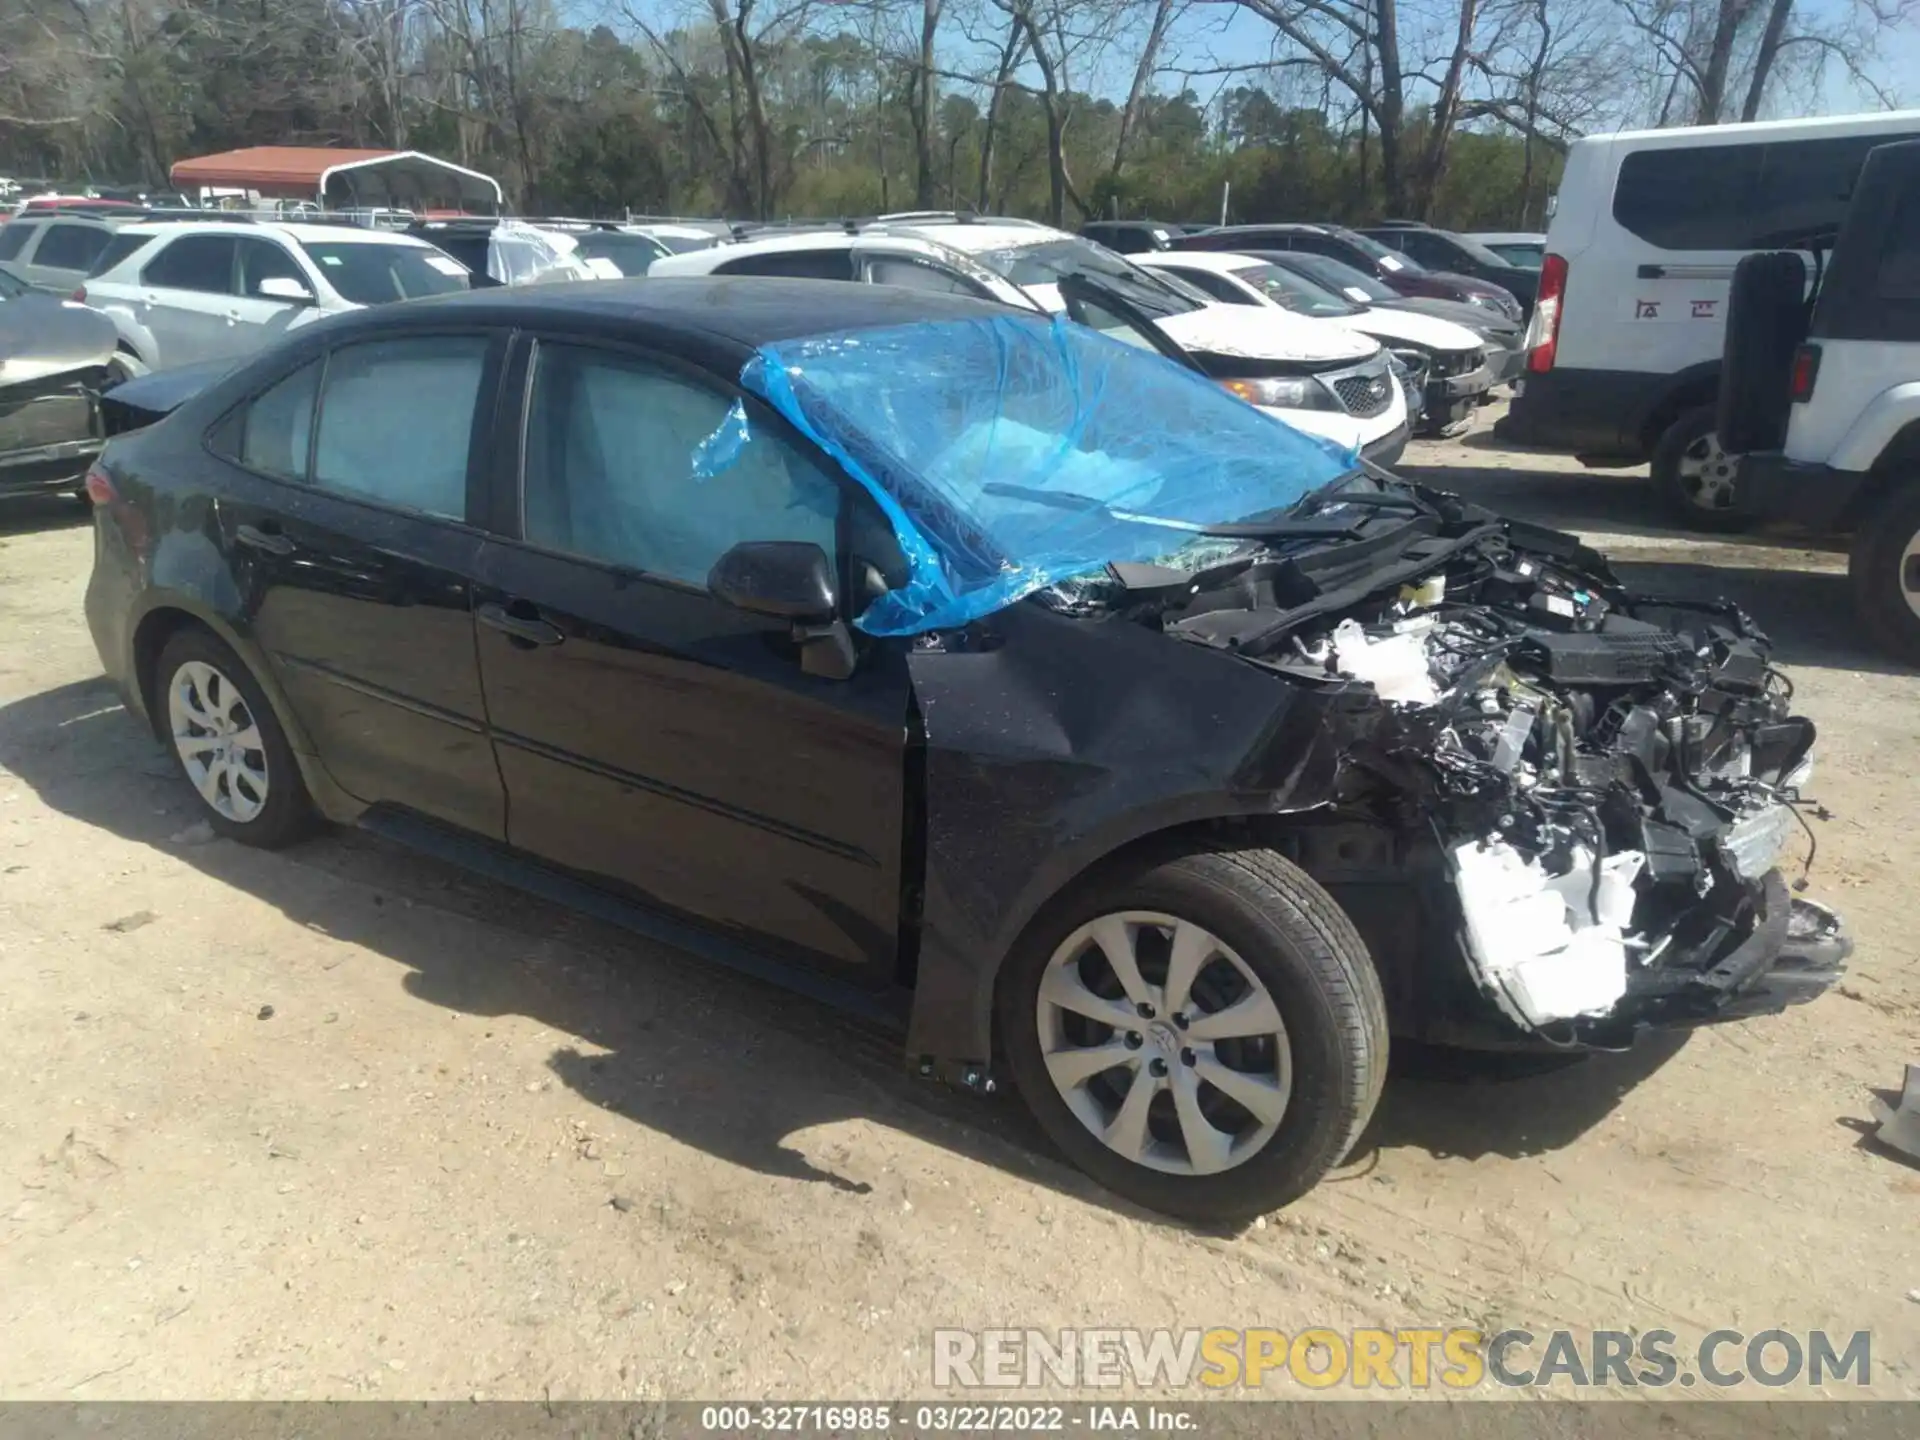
column 1885, row 555
column 208, row 707
column 1688, row 478
column 1269, row 924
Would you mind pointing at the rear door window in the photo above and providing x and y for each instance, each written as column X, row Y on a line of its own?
column 794, row 264
column 193, row 262
column 396, row 421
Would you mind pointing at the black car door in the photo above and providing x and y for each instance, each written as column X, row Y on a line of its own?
column 649, row 733
column 344, row 522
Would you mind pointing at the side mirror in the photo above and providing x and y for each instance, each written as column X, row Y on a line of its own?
column 279, row 287
column 785, row 579
column 789, row 580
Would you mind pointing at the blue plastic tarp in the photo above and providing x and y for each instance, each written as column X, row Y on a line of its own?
column 1012, row 453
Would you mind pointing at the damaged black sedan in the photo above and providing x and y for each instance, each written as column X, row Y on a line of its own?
column 976, row 669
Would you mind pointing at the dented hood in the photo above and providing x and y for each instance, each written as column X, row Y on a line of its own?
column 1265, row 333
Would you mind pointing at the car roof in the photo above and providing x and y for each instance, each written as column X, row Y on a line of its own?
column 740, row 312
column 1220, row 262
column 69, row 217
column 287, row 229
column 975, row 236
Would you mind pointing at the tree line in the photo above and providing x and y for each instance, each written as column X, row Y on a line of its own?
column 1457, row 111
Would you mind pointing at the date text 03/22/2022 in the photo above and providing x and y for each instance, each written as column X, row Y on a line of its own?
column 932, row 1419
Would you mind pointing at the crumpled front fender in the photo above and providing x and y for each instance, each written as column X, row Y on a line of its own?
column 1052, row 744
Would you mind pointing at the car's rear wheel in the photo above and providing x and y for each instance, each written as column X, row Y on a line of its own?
column 1694, row 475
column 1884, row 568
column 1205, row 1036
column 227, row 742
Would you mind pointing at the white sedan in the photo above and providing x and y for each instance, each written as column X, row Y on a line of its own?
column 1450, row 359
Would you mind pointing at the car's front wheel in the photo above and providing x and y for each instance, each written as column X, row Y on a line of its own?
column 1205, row 1036
column 1884, row 569
column 228, row 743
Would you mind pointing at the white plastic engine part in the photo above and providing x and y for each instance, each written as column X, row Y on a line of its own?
column 1547, row 947
column 1395, row 665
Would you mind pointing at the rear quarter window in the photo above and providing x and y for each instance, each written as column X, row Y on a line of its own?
column 1739, row 197
column 70, row 247
column 14, row 236
column 794, row 264
column 119, row 248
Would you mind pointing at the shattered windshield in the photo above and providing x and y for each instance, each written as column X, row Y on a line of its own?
column 1013, row 452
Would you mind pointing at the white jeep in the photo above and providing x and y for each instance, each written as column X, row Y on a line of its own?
column 1830, row 426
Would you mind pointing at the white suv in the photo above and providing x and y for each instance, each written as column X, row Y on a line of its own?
column 193, row 290
column 1320, row 378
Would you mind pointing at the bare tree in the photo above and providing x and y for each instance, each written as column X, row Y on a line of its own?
column 1165, row 12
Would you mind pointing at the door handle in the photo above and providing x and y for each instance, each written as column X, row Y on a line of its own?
column 269, row 540
column 522, row 630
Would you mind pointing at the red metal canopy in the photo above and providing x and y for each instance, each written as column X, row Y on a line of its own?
column 293, row 167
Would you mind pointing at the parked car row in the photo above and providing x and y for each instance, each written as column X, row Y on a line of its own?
column 1411, row 258
column 180, row 290
column 890, row 635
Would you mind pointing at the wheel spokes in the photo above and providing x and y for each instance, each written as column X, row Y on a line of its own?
column 1160, row 1039
column 1263, row 1098
column 1064, row 987
column 1252, row 1014
column 1075, row 1066
column 1115, row 937
column 1192, row 948
column 206, row 778
column 1127, row 1132
column 1207, row 1148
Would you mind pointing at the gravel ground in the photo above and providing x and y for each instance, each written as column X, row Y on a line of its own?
column 343, row 1122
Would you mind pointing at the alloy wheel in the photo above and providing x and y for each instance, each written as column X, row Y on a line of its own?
column 218, row 742
column 1706, row 474
column 1163, row 1043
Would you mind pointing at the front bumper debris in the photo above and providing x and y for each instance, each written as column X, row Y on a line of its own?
column 1801, row 962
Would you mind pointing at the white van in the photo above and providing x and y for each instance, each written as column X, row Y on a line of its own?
column 1624, row 361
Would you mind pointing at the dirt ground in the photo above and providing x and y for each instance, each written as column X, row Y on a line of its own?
column 342, row 1122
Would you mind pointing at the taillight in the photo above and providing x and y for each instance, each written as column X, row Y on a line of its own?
column 100, row 485
column 1806, row 370
column 1543, row 332
column 80, row 295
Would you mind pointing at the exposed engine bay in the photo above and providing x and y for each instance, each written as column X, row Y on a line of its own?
column 1610, row 779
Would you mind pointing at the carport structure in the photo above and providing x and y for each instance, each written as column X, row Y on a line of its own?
column 339, row 179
